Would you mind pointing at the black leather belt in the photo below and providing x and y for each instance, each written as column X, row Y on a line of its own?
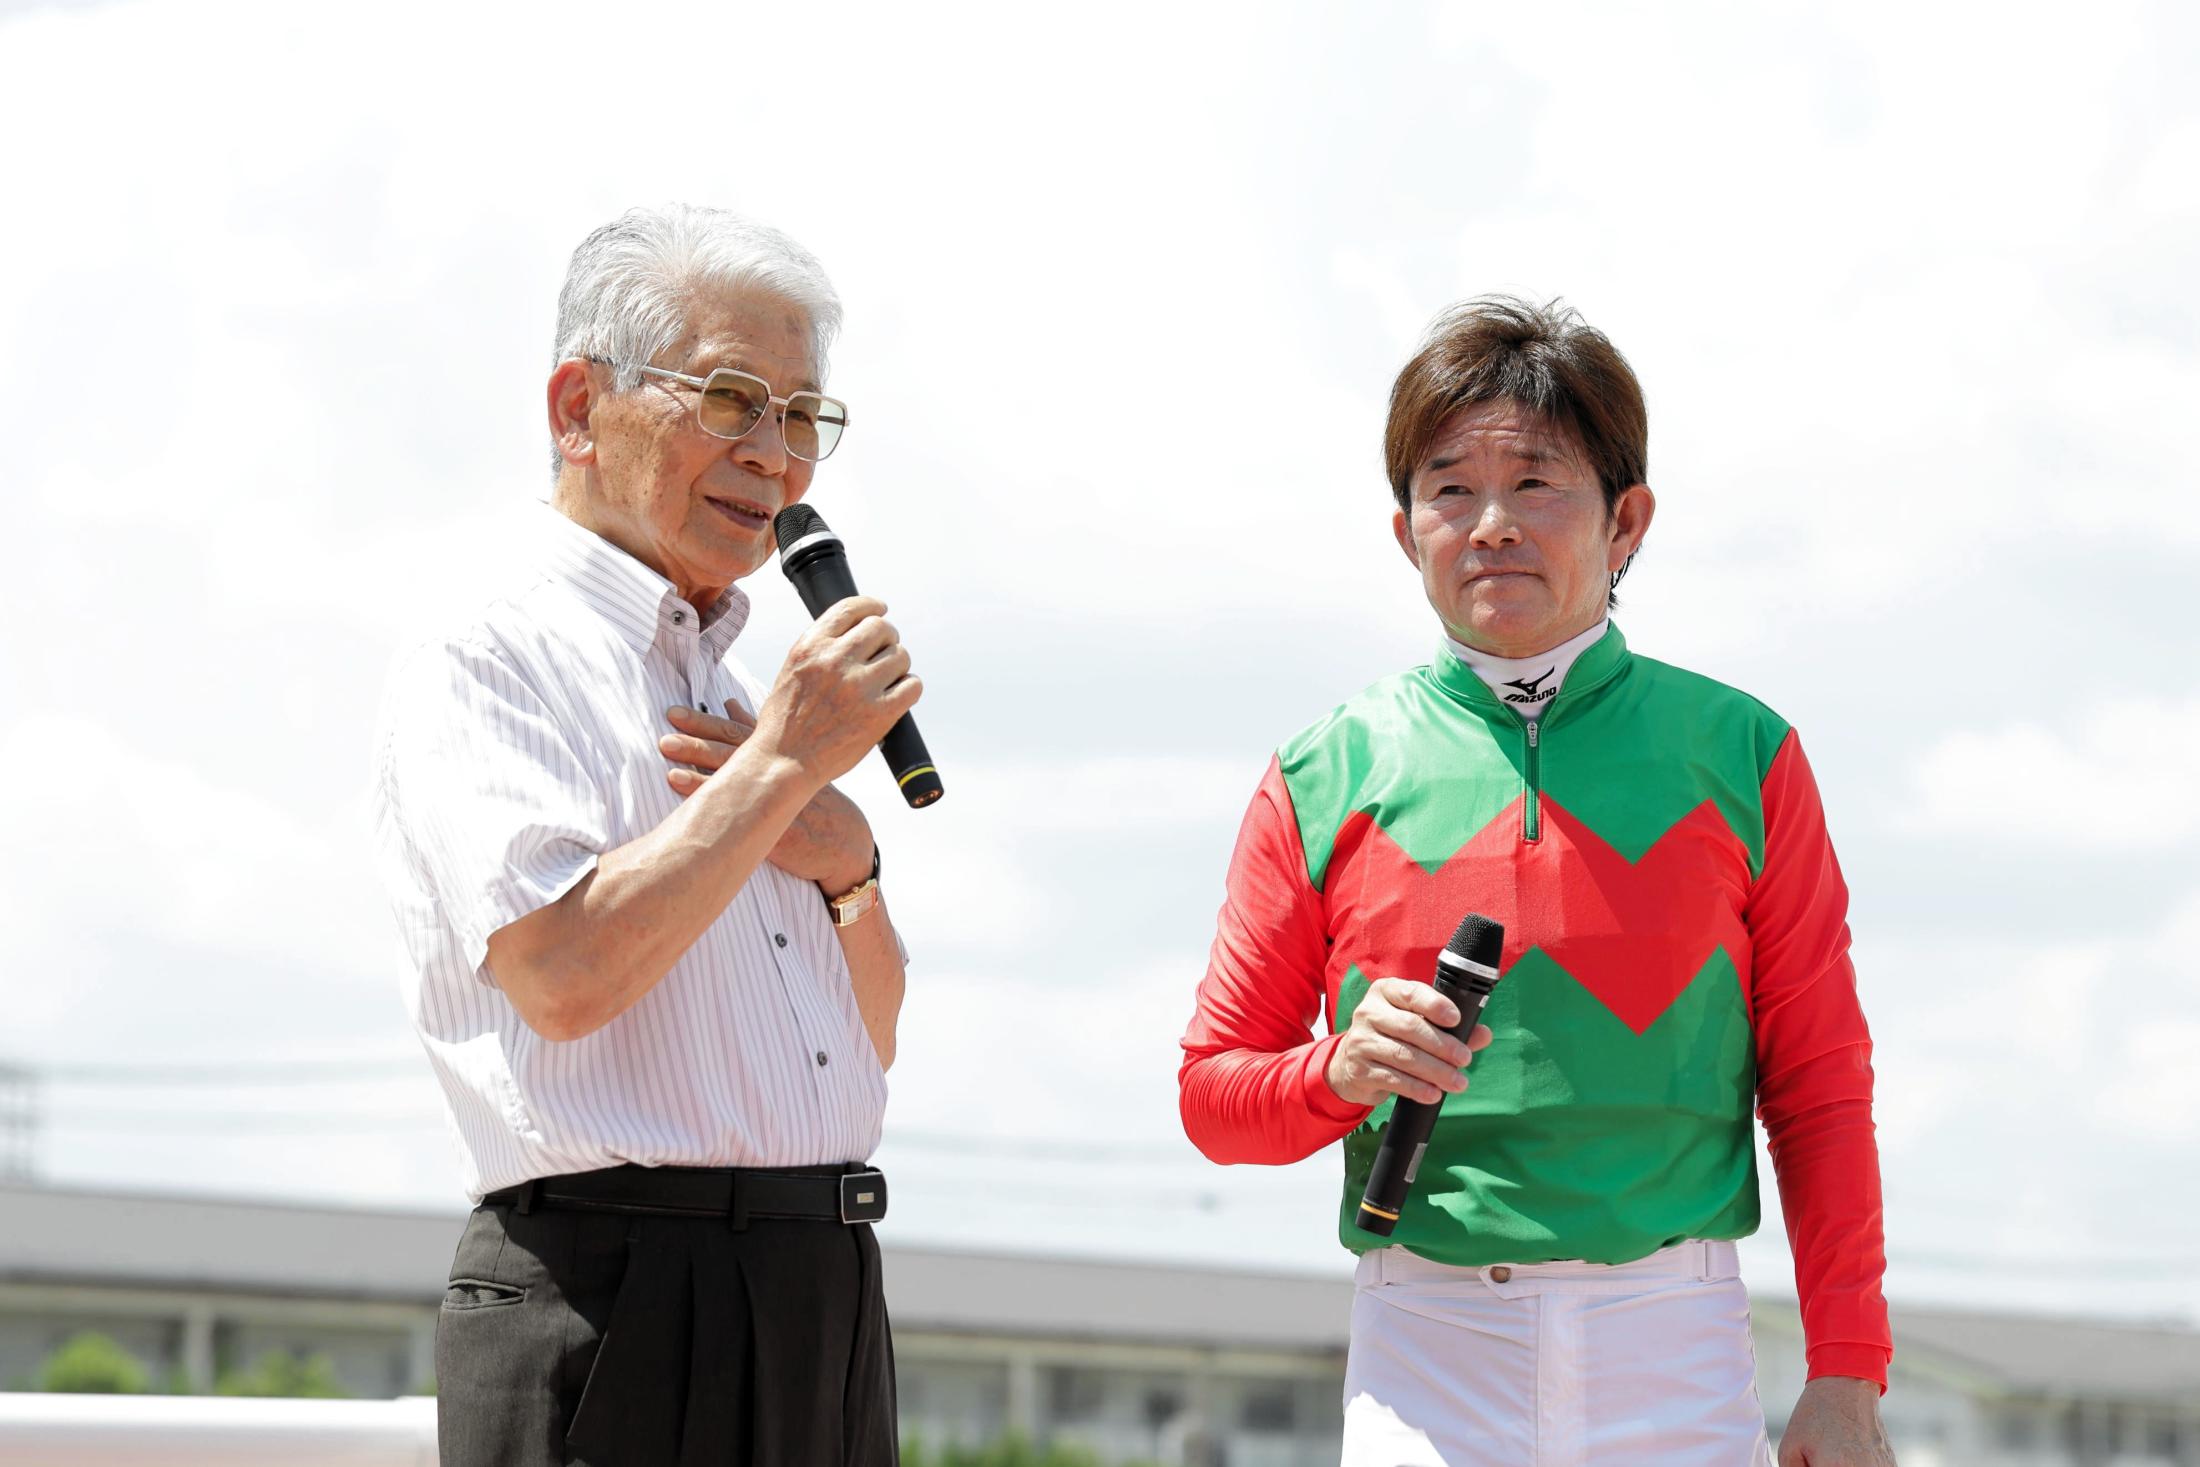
column 843, row 1194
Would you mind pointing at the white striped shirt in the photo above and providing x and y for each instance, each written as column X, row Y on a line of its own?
column 508, row 759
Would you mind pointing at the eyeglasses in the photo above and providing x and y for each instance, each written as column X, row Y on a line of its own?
column 730, row 403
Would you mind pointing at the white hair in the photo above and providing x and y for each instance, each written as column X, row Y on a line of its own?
column 627, row 292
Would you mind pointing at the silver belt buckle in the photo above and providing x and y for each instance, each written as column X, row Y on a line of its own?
column 863, row 1196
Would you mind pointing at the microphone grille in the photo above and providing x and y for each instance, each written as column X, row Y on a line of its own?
column 1478, row 940
column 794, row 522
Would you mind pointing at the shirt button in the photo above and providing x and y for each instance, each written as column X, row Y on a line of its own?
column 781, row 939
column 1501, row 1275
column 821, row 1057
column 679, row 618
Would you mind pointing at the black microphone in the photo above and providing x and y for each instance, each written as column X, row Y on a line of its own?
column 1466, row 971
column 817, row 563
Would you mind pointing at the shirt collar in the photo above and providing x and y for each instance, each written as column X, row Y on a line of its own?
column 1526, row 683
column 1593, row 666
column 635, row 600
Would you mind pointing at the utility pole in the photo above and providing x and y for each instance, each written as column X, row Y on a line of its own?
column 18, row 1123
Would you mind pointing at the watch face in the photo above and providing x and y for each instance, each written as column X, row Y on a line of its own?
column 852, row 906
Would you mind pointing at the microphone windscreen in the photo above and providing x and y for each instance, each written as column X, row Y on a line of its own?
column 1478, row 940
column 794, row 522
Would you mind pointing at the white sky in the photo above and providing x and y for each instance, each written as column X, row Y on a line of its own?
column 1911, row 292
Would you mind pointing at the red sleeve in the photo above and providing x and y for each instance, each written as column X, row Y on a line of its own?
column 1254, row 1086
column 1814, row 1079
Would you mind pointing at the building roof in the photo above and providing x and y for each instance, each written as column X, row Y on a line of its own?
column 2046, row 1356
column 114, row 1239
column 145, row 1240
column 1091, row 1298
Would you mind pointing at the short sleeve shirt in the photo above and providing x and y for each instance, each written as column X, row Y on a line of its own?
column 509, row 756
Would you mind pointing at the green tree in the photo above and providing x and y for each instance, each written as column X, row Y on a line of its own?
column 93, row 1364
column 279, row 1373
column 1012, row 1449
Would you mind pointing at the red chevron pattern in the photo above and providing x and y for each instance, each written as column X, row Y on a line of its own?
column 1632, row 933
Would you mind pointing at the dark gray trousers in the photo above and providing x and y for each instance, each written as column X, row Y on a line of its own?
column 588, row 1339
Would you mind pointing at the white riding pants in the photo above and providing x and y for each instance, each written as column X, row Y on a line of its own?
column 1643, row 1364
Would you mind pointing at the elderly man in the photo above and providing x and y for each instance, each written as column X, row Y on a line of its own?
column 1561, row 1286
column 649, row 961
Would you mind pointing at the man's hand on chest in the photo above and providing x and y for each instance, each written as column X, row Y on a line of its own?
column 829, row 842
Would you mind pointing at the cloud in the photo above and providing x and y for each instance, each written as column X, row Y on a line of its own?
column 125, row 838
column 1073, row 1069
column 2035, row 1097
column 143, row 872
column 2123, row 777
column 1042, row 799
column 1089, row 1049
column 1918, row 334
column 2156, row 1086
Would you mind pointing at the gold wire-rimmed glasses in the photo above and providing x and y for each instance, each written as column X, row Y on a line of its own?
column 729, row 403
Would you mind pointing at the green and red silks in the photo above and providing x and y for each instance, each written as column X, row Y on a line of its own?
column 1676, row 953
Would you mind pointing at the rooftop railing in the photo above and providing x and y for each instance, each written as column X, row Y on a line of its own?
column 214, row 1431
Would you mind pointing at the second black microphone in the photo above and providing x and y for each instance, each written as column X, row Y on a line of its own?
column 816, row 561
column 1466, row 971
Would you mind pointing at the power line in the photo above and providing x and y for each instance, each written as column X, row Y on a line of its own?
column 234, row 1123
column 112, row 1119
column 1055, row 1194
column 250, row 1072
column 1037, row 1148
column 2165, row 1266
column 323, row 1121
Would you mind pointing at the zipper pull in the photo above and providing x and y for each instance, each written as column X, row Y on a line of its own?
column 1532, row 727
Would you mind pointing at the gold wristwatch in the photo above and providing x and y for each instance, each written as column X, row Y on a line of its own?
column 850, row 907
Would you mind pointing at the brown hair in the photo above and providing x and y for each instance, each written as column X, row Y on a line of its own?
column 1545, row 360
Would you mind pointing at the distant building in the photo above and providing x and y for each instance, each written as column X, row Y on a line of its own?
column 1192, row 1366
